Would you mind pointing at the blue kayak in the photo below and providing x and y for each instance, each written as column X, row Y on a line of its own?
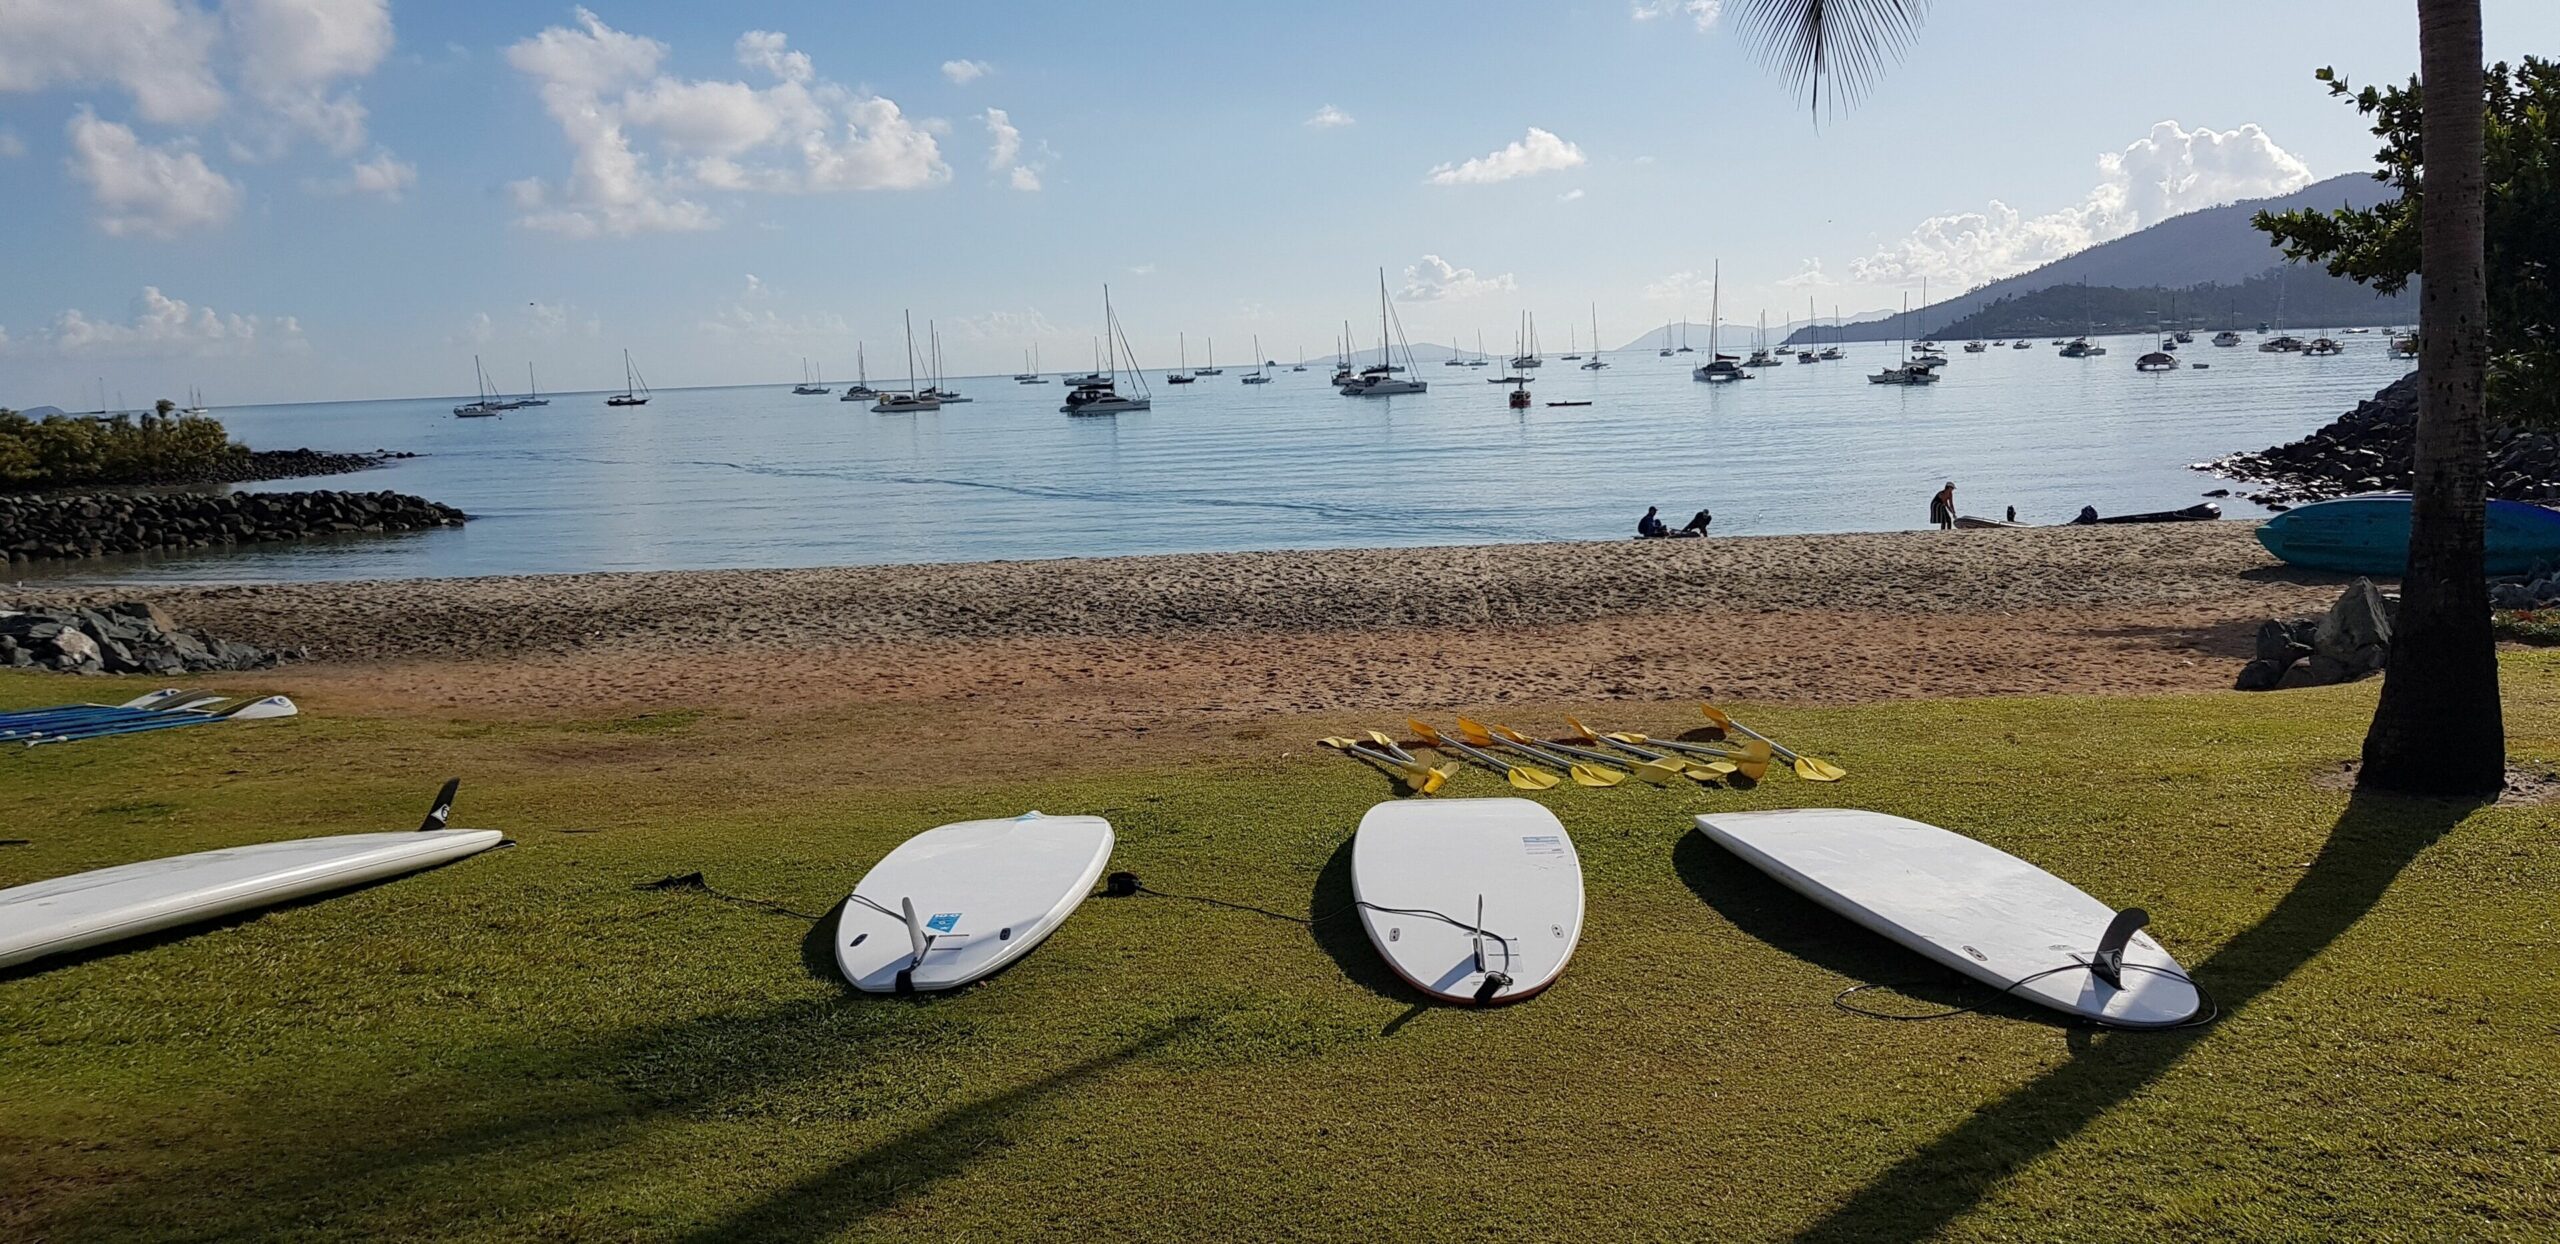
column 2369, row 535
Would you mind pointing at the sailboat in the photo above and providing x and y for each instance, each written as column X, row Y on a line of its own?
column 1760, row 356
column 1181, row 374
column 1666, row 335
column 1030, row 373
column 935, row 390
column 1457, row 357
column 195, row 402
column 1102, row 396
column 807, row 387
column 1684, row 334
column 480, row 407
column 635, row 391
column 914, row 399
column 1720, row 368
column 1481, row 359
column 1529, row 358
column 1213, row 369
column 1810, row 352
column 2081, row 347
column 1382, row 380
column 1911, row 372
column 1596, row 362
column 1258, row 375
column 1302, row 359
column 532, row 391
column 1573, row 344
column 861, row 390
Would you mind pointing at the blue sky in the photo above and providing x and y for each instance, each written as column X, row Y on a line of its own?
column 312, row 199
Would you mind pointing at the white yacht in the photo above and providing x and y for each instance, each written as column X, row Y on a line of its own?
column 1101, row 395
column 914, row 399
column 1382, row 380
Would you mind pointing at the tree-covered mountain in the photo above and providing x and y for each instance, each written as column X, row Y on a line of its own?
column 2220, row 266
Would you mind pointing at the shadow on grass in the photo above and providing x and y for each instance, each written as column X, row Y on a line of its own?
column 512, row 1132
column 1922, row 1194
column 900, row 1167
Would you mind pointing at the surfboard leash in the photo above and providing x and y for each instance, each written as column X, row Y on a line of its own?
column 693, row 883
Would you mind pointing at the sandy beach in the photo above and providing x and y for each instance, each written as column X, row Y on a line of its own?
column 1106, row 646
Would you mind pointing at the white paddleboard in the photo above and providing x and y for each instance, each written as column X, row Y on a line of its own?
column 981, row 894
column 1964, row 904
column 1469, row 900
column 129, row 900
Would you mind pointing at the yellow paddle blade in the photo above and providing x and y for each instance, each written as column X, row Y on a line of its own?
column 1715, row 717
column 1422, row 780
column 1474, row 732
column 1423, row 732
column 1340, row 744
column 1711, row 770
column 1813, row 769
column 1526, row 777
column 1379, row 737
column 1514, row 735
column 1754, row 749
column 1754, row 770
column 1583, row 733
column 1659, row 772
column 1594, row 775
column 1625, row 736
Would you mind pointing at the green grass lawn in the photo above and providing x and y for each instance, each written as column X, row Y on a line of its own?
column 525, row 1045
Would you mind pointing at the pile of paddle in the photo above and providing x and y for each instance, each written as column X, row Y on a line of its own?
column 1586, row 757
column 160, row 710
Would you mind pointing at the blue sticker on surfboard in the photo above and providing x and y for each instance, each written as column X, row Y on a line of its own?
column 944, row 923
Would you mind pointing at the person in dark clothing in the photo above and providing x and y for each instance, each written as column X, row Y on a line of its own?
column 2013, row 513
column 1698, row 524
column 1651, row 524
column 1942, row 508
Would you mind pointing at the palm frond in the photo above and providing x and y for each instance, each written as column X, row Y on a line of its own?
column 1842, row 44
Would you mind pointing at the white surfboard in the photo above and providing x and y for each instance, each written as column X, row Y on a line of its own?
column 1964, row 904
column 954, row 904
column 129, row 900
column 1469, row 900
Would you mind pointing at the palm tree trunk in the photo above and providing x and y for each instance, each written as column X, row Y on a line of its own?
column 2438, row 729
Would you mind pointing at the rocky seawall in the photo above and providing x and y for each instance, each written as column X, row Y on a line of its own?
column 2368, row 450
column 126, row 637
column 96, row 525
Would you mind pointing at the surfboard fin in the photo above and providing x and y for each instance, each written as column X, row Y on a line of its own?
column 2108, row 962
column 916, row 936
column 443, row 809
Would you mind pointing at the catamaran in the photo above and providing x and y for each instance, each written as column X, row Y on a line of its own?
column 1101, row 396
column 1911, row 372
column 914, row 399
column 1720, row 368
column 1382, row 380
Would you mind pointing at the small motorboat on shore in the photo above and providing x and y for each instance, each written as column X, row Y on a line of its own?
column 2200, row 512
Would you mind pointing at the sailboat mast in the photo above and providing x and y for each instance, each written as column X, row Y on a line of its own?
column 911, row 353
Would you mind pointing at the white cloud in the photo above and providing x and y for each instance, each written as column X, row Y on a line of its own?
column 1329, row 118
column 1144, row 269
column 801, row 134
column 1701, row 13
column 1539, row 152
column 158, row 51
column 1004, row 141
column 1005, row 326
column 2168, row 172
column 1004, row 151
column 1570, row 195
column 756, row 288
column 1683, row 286
column 1810, row 276
column 382, row 175
column 291, row 54
column 1436, row 280
column 142, row 189
column 163, row 326
column 765, row 50
column 11, row 146
column 964, row 72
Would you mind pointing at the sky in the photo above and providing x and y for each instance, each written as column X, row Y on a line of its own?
column 291, row 200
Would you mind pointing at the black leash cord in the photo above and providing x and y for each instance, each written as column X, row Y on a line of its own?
column 2209, row 1012
column 694, row 884
column 1122, row 885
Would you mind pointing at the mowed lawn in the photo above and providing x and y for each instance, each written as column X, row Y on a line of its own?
column 530, row 1045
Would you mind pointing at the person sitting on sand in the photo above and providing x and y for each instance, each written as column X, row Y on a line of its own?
column 1651, row 525
column 1942, row 508
column 1698, row 524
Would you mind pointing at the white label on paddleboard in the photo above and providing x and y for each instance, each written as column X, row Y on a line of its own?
column 944, row 923
column 947, row 943
column 1543, row 846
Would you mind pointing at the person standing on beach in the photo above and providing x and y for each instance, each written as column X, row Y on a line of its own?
column 1942, row 508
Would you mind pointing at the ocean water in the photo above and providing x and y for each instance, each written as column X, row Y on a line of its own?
column 758, row 477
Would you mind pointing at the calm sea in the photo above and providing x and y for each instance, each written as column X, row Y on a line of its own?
column 758, row 477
